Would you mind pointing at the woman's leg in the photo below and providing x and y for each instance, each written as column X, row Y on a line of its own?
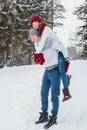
column 64, row 77
column 63, row 74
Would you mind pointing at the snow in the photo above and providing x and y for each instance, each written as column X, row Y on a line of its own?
column 20, row 98
column 15, row 1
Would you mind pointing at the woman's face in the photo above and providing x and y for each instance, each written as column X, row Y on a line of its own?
column 35, row 25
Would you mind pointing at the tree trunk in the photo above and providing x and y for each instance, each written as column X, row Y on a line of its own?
column 5, row 58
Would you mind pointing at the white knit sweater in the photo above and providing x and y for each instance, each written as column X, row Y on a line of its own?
column 50, row 45
column 48, row 32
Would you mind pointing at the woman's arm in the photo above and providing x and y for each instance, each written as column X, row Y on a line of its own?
column 60, row 47
column 44, row 36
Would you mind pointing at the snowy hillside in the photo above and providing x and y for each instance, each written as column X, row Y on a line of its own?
column 20, row 98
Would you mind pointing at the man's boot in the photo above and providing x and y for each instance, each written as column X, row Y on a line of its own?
column 66, row 94
column 43, row 118
column 52, row 121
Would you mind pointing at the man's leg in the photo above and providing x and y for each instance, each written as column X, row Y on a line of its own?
column 54, row 77
column 55, row 92
column 45, row 92
column 44, row 99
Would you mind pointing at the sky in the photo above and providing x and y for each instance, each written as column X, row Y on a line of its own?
column 70, row 22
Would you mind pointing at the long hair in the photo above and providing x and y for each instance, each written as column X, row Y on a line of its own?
column 41, row 27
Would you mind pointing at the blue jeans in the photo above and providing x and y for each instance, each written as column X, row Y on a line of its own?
column 61, row 61
column 51, row 80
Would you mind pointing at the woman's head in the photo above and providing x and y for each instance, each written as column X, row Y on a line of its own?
column 34, row 35
column 35, row 21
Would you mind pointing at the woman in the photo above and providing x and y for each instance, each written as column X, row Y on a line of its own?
column 44, row 31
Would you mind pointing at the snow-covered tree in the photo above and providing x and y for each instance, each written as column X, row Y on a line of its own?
column 14, row 27
column 14, row 31
column 58, row 13
column 81, row 13
column 72, row 52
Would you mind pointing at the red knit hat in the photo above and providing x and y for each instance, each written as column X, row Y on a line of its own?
column 35, row 18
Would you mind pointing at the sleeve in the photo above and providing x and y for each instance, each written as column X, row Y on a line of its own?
column 44, row 36
column 60, row 47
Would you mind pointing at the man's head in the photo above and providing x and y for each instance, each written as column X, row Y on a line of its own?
column 34, row 35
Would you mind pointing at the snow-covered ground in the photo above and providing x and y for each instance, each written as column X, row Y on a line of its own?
column 20, row 98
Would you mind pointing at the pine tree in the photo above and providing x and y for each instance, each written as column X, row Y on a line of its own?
column 14, row 31
column 15, row 15
column 81, row 13
column 58, row 14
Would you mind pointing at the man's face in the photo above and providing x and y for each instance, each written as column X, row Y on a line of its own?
column 34, row 38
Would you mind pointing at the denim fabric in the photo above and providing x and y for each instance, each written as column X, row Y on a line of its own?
column 51, row 80
column 61, row 61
